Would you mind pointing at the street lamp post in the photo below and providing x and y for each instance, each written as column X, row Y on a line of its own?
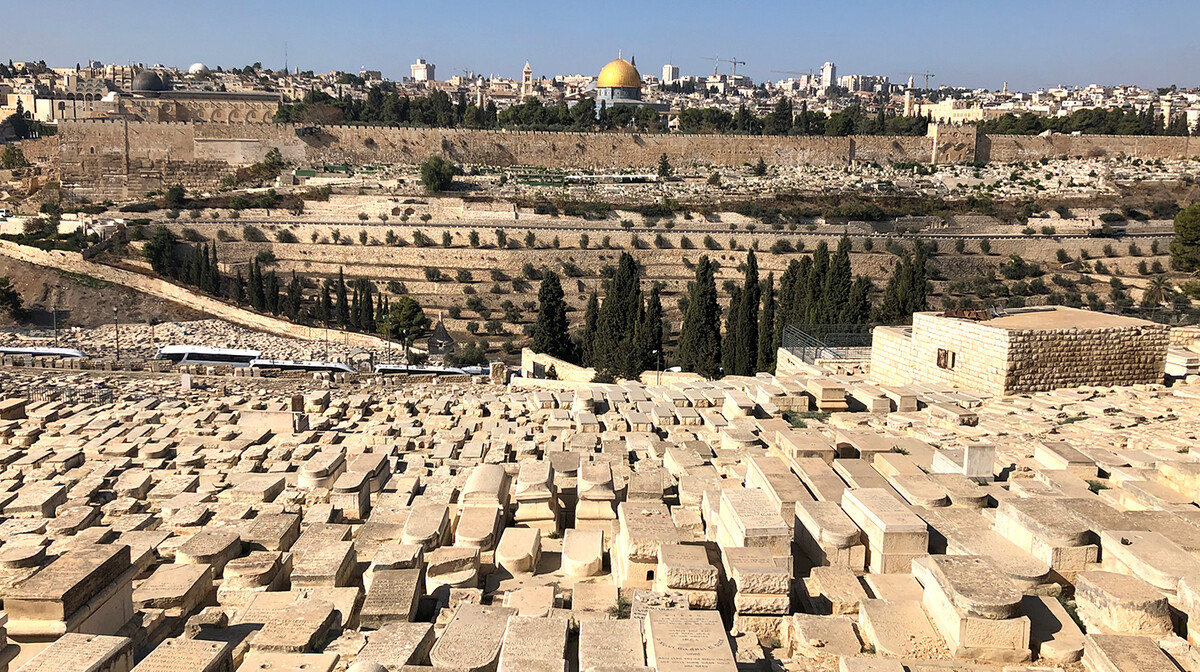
column 657, row 367
column 117, row 333
column 406, row 351
column 54, row 316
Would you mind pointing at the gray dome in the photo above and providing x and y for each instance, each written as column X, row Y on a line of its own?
column 148, row 80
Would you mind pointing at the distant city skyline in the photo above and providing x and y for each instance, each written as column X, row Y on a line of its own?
column 1028, row 44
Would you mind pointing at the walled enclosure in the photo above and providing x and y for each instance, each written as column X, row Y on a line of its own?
column 1030, row 351
column 122, row 159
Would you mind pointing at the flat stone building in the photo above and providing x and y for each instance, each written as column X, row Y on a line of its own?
column 1027, row 350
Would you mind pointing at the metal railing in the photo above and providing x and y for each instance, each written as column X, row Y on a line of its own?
column 72, row 395
column 812, row 342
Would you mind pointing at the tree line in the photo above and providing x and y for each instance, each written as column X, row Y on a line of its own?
column 354, row 306
column 385, row 106
column 623, row 335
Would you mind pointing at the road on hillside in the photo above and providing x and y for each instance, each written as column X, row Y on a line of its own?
column 741, row 230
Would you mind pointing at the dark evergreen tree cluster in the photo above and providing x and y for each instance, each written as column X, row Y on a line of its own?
column 385, row 106
column 194, row 265
column 622, row 335
column 262, row 289
column 907, row 289
column 820, row 289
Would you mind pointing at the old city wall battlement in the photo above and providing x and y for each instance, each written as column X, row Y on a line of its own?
column 123, row 159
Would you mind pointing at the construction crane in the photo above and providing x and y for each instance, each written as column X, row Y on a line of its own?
column 808, row 74
column 926, row 75
column 717, row 61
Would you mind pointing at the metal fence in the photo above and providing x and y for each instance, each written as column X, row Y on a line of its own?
column 811, row 342
column 71, row 395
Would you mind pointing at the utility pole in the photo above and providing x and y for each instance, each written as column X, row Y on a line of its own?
column 117, row 333
column 54, row 315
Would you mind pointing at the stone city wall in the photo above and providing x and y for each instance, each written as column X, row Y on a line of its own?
column 122, row 159
column 1047, row 360
column 1012, row 148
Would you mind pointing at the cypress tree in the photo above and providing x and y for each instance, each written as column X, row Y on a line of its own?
column 343, row 308
column 700, row 335
column 591, row 317
column 271, row 285
column 257, row 293
column 836, row 290
column 619, row 316
column 192, row 274
column 650, row 333
column 746, row 347
column 294, row 296
column 238, row 286
column 368, row 316
column 858, row 306
column 730, row 343
column 814, row 286
column 766, row 327
column 215, row 270
column 550, row 331
column 788, row 287
column 326, row 310
column 355, row 309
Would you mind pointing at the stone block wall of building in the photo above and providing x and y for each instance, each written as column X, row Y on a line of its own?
column 977, row 353
column 977, row 356
column 1184, row 336
column 891, row 355
column 1048, row 360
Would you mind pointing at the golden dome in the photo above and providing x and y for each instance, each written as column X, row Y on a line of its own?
column 619, row 74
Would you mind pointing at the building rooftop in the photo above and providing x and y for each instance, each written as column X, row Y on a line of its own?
column 1050, row 318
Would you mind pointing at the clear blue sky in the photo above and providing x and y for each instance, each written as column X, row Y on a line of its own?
column 966, row 43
